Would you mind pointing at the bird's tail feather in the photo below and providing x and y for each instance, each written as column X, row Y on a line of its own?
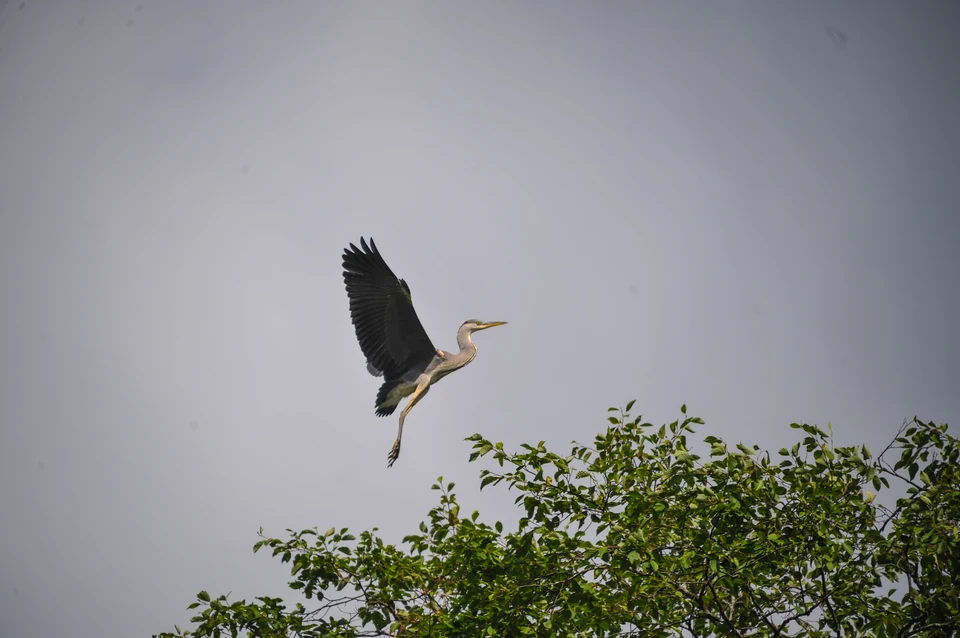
column 383, row 395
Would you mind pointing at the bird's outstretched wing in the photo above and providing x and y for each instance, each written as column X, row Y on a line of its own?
column 390, row 333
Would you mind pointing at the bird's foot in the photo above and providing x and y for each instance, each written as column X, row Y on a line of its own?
column 394, row 454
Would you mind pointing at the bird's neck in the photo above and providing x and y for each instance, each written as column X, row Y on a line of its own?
column 467, row 346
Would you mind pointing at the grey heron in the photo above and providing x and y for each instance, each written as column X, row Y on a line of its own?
column 393, row 339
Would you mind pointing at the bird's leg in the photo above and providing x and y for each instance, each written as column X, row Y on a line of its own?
column 422, row 388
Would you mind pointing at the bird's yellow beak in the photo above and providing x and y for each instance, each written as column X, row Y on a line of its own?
column 492, row 324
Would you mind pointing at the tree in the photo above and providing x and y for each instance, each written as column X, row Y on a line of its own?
column 636, row 535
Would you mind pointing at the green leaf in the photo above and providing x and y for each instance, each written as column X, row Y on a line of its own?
column 630, row 404
column 683, row 408
column 204, row 596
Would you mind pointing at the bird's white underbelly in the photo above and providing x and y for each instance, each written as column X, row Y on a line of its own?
column 404, row 390
column 398, row 393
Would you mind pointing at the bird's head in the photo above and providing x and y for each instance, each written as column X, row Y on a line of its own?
column 474, row 325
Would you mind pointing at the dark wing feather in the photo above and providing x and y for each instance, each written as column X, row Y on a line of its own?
column 390, row 333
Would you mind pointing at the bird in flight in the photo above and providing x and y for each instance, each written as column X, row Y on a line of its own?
column 392, row 338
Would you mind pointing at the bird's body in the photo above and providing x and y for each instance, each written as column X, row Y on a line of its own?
column 442, row 364
column 393, row 339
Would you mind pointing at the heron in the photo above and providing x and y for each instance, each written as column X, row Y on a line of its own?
column 392, row 338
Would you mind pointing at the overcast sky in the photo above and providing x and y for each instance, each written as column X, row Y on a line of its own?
column 750, row 207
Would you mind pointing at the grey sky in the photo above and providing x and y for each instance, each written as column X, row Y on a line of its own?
column 724, row 204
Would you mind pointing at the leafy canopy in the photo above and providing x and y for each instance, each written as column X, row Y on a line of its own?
column 636, row 535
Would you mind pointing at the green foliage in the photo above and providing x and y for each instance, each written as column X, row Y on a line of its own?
column 636, row 535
